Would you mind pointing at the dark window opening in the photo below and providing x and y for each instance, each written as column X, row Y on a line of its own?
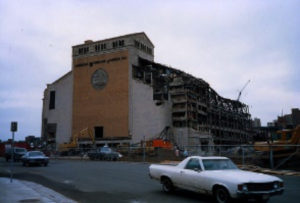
column 83, row 50
column 137, row 73
column 136, row 44
column 121, row 43
column 148, row 77
column 97, row 47
column 52, row 100
column 103, row 46
column 98, row 132
column 115, row 44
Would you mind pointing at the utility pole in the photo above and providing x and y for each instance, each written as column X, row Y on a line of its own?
column 13, row 129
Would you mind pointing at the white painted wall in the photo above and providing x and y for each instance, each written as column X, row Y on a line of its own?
column 62, row 114
column 145, row 117
column 148, row 118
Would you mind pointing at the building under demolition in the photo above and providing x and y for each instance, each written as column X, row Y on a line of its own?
column 116, row 89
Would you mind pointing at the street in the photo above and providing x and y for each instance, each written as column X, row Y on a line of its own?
column 101, row 181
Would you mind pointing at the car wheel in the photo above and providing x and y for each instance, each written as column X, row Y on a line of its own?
column 23, row 163
column 45, row 164
column 221, row 195
column 167, row 185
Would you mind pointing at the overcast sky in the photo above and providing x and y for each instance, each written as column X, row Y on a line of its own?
column 226, row 43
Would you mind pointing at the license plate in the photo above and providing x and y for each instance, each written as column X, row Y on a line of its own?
column 265, row 196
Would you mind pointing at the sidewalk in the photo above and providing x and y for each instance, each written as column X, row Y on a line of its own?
column 24, row 191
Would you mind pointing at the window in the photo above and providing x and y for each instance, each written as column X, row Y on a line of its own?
column 149, row 50
column 103, row 46
column 115, row 44
column 83, row 50
column 99, row 132
column 52, row 100
column 136, row 44
column 121, row 43
column 193, row 164
column 97, row 47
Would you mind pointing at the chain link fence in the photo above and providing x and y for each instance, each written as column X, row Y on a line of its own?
column 284, row 157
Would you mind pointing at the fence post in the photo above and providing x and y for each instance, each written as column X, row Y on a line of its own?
column 243, row 156
column 271, row 157
column 144, row 152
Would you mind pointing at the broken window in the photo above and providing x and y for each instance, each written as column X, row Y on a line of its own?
column 137, row 73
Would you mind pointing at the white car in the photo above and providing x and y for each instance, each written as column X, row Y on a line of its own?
column 217, row 176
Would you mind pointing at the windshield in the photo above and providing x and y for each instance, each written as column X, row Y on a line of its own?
column 105, row 149
column 36, row 154
column 218, row 164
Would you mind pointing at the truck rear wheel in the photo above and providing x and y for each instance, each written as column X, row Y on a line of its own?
column 167, row 185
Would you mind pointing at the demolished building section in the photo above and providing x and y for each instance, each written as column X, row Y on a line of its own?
column 199, row 115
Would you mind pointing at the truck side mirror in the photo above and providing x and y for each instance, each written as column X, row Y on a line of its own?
column 197, row 170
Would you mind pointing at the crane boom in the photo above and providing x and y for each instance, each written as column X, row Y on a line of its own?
column 240, row 93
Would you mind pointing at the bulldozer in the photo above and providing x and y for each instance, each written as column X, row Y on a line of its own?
column 285, row 141
column 72, row 147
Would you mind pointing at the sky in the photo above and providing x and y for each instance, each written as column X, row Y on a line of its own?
column 226, row 43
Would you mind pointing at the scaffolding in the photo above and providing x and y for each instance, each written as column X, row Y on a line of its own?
column 195, row 105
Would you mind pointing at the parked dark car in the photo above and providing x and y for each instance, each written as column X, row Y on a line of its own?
column 104, row 153
column 35, row 158
column 18, row 153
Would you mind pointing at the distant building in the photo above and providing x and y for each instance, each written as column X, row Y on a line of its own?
column 289, row 120
column 256, row 123
column 271, row 124
column 33, row 141
column 116, row 89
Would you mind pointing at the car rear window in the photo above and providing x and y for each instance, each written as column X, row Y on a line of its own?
column 36, row 154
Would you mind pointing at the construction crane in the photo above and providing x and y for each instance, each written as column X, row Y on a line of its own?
column 240, row 92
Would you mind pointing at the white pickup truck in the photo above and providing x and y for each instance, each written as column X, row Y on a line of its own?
column 217, row 176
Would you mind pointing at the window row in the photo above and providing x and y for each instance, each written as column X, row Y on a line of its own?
column 142, row 47
column 118, row 43
column 101, row 47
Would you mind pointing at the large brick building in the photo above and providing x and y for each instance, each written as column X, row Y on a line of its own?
column 116, row 89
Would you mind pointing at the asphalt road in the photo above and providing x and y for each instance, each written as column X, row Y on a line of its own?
column 99, row 181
